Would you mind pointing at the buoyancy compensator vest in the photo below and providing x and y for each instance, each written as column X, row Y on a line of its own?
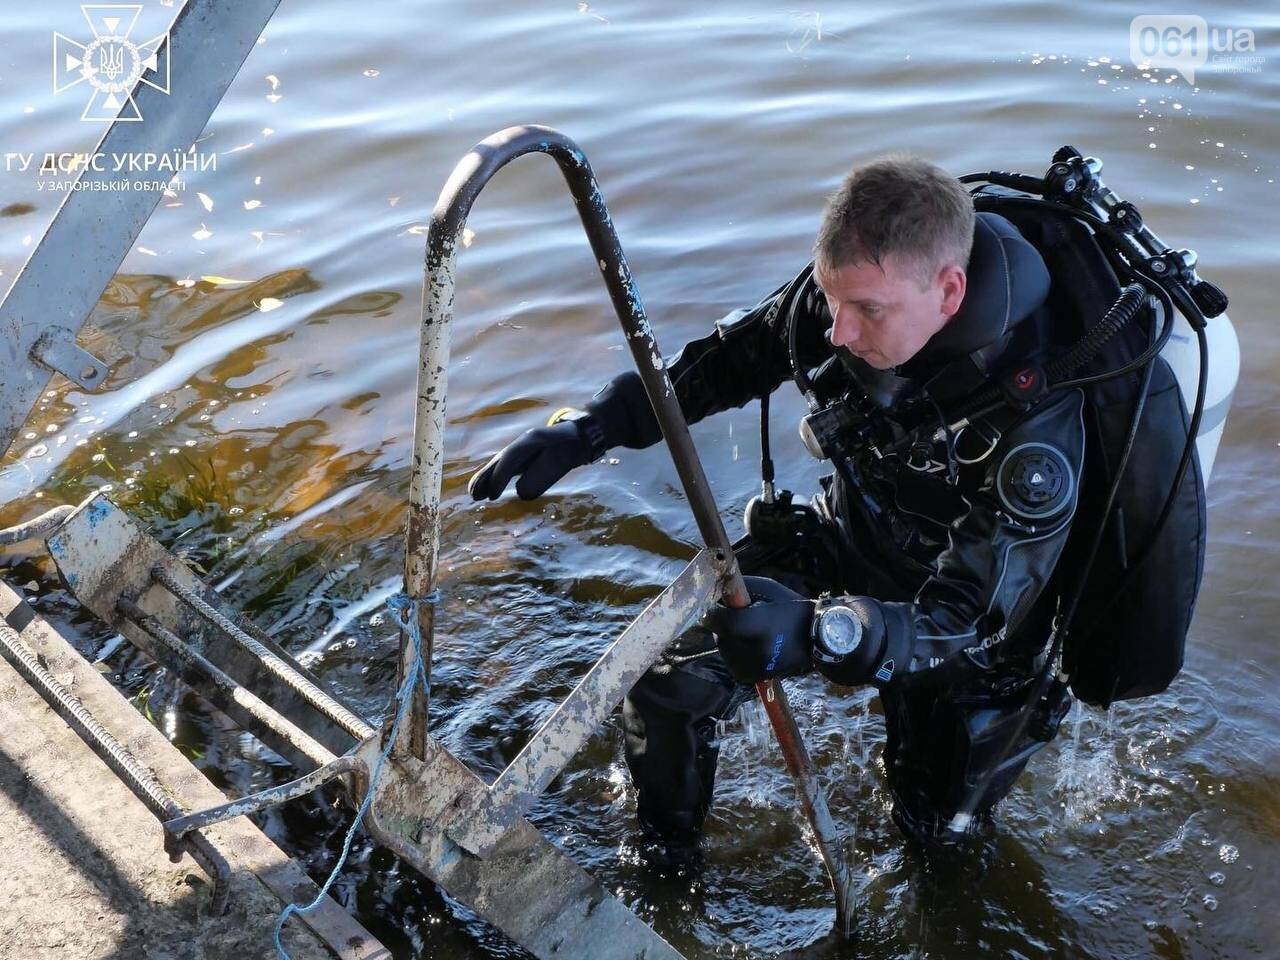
column 1130, row 574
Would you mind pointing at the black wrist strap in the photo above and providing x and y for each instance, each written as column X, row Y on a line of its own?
column 591, row 431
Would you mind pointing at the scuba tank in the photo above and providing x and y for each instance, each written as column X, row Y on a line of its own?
column 1131, row 570
column 1073, row 182
column 1150, row 345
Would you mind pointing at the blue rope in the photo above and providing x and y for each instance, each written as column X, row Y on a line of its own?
column 400, row 604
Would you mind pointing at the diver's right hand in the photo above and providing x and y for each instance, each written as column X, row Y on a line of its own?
column 539, row 457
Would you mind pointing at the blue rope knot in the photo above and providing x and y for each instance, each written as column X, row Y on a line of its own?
column 400, row 603
column 407, row 607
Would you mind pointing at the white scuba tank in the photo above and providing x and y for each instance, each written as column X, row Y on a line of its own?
column 1183, row 355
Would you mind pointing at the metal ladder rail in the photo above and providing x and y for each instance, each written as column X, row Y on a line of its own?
column 443, row 236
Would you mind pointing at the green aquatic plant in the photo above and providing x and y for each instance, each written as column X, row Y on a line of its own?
column 187, row 505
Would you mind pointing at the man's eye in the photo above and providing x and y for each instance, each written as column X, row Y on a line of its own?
column 871, row 310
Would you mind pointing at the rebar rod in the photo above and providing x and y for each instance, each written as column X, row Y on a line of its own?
column 281, row 669
column 140, row 781
column 243, row 706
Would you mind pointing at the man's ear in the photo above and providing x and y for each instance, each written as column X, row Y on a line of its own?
column 954, row 282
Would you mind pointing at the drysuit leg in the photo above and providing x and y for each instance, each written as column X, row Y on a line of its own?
column 669, row 717
column 945, row 754
column 671, row 745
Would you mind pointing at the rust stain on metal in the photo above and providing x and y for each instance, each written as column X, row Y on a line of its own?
column 527, row 888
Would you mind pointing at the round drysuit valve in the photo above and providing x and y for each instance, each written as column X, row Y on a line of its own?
column 1035, row 482
column 1025, row 385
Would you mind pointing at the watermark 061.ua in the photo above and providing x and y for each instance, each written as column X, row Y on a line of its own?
column 1186, row 43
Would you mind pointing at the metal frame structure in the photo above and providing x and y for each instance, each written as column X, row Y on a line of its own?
column 427, row 806
column 444, row 235
column 432, row 811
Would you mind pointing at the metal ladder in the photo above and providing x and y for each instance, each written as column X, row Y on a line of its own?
column 469, row 837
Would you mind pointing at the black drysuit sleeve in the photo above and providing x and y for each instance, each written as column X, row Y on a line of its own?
column 744, row 358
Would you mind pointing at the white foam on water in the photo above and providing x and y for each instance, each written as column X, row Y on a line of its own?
column 1088, row 770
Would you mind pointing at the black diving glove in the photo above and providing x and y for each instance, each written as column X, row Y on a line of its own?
column 618, row 415
column 767, row 639
column 539, row 457
column 775, row 636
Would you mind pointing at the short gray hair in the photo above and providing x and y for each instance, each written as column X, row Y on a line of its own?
column 901, row 205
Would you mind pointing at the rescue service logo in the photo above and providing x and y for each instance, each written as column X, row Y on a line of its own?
column 111, row 63
column 1185, row 43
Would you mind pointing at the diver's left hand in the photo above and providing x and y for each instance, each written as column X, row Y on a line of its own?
column 768, row 639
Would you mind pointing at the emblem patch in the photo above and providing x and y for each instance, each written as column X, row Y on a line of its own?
column 1035, row 482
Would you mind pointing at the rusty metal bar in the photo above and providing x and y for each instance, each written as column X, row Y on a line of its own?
column 778, row 709
column 116, row 756
column 276, row 666
column 443, row 235
column 179, row 827
column 240, row 704
column 479, row 828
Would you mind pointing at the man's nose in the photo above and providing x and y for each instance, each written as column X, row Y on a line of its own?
column 844, row 329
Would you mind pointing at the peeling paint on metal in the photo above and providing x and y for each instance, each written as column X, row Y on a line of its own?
column 528, row 888
column 99, row 509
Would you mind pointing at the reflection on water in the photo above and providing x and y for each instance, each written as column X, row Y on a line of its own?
column 262, row 341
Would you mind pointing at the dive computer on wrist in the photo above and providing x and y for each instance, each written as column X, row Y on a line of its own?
column 836, row 632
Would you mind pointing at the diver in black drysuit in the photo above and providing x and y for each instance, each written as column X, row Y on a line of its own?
column 947, row 556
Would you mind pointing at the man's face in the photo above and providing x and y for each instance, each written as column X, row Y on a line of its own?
column 882, row 313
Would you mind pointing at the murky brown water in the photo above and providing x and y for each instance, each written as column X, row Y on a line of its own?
column 272, row 445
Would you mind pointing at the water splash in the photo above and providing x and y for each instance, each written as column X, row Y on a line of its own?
column 1088, row 769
